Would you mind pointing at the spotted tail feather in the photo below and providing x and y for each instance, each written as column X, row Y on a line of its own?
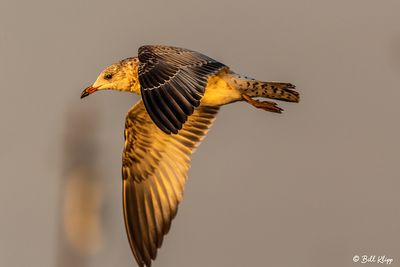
column 274, row 90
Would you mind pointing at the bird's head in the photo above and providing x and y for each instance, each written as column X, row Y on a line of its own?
column 120, row 76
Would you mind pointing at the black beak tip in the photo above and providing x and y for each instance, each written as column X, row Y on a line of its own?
column 84, row 94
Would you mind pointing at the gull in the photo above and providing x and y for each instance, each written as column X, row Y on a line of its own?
column 182, row 91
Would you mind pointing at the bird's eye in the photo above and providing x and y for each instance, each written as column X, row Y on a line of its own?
column 108, row 76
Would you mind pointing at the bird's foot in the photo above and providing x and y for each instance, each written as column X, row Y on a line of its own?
column 265, row 105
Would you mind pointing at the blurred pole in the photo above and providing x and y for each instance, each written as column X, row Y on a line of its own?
column 80, row 228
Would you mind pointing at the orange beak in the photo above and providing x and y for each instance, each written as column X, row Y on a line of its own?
column 88, row 91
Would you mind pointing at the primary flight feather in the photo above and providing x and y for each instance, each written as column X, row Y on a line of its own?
column 182, row 91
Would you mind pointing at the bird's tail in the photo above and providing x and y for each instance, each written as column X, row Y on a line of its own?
column 275, row 90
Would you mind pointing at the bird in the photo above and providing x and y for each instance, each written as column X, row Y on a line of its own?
column 181, row 93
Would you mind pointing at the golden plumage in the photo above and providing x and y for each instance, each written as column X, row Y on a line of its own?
column 154, row 168
column 182, row 91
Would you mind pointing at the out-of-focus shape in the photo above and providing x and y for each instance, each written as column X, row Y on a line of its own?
column 81, row 212
column 81, row 229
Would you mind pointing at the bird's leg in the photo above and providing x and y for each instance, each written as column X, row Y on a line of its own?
column 265, row 105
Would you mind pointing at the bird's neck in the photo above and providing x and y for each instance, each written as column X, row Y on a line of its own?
column 135, row 86
column 131, row 71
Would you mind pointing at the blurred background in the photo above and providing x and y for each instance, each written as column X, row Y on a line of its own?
column 311, row 187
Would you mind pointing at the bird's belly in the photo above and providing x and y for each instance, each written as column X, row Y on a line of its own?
column 218, row 92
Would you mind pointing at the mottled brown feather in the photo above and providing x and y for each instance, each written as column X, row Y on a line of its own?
column 169, row 77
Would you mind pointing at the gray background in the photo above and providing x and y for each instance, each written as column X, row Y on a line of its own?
column 311, row 187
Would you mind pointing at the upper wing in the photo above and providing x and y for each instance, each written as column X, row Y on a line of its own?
column 154, row 170
column 172, row 82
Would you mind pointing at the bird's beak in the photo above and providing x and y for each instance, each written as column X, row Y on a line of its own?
column 88, row 91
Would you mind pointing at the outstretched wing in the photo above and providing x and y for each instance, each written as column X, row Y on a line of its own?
column 172, row 82
column 154, row 170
